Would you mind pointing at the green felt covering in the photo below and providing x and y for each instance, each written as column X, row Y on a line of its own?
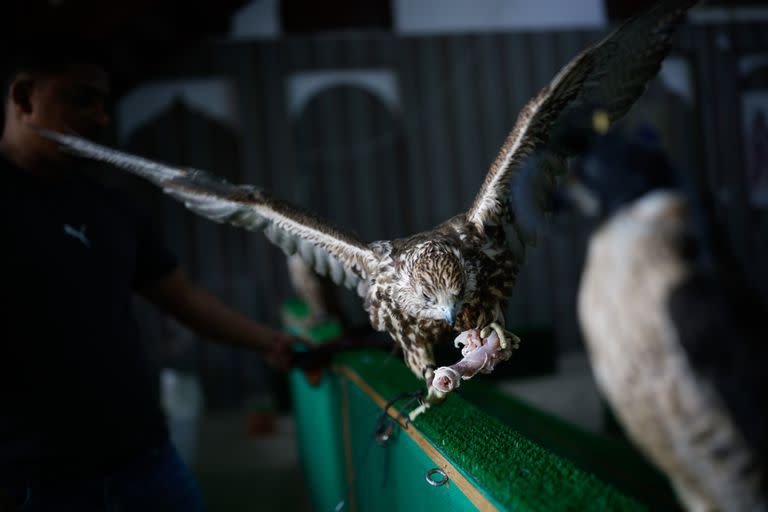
column 319, row 438
column 519, row 457
column 513, row 471
column 295, row 319
column 316, row 411
column 613, row 460
column 391, row 477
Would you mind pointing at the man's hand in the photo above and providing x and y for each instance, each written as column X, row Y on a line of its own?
column 280, row 353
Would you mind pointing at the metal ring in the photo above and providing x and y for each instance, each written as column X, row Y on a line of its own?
column 436, row 483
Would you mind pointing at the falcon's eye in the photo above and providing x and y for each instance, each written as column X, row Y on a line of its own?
column 427, row 298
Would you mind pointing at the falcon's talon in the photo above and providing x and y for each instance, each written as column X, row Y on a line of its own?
column 468, row 340
column 503, row 334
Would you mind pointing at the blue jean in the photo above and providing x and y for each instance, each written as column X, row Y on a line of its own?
column 158, row 481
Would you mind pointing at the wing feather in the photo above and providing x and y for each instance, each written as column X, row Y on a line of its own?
column 327, row 249
column 612, row 73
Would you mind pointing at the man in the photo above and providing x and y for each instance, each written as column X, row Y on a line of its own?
column 81, row 427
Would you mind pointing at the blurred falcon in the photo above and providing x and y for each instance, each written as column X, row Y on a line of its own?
column 676, row 338
column 457, row 276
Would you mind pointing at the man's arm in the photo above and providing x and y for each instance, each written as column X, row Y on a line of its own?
column 208, row 316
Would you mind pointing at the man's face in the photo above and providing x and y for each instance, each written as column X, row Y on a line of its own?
column 74, row 101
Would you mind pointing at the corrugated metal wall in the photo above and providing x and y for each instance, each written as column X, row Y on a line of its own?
column 387, row 172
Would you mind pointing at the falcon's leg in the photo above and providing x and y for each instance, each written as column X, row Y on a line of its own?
column 434, row 396
column 503, row 334
column 412, row 397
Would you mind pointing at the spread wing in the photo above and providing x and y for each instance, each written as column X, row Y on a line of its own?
column 612, row 73
column 329, row 250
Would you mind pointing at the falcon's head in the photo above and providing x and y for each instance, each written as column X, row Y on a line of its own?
column 433, row 281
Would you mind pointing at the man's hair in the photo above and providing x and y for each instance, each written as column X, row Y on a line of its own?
column 46, row 58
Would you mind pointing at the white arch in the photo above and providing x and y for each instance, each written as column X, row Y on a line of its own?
column 752, row 62
column 216, row 97
column 457, row 16
column 675, row 74
column 305, row 85
column 258, row 19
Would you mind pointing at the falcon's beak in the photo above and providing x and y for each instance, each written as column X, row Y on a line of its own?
column 450, row 316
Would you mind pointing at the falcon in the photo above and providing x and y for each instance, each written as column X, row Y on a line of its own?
column 676, row 339
column 456, row 277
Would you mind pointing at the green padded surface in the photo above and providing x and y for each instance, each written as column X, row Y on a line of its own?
column 614, row 460
column 316, row 411
column 295, row 320
column 522, row 458
column 392, row 477
column 513, row 471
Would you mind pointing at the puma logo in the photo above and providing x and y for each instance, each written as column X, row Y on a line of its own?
column 77, row 233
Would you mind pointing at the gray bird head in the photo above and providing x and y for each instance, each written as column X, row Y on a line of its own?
column 615, row 170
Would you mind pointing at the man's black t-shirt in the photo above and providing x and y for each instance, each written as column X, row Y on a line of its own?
column 77, row 394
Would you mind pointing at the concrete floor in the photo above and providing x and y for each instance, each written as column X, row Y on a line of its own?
column 571, row 393
column 241, row 472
